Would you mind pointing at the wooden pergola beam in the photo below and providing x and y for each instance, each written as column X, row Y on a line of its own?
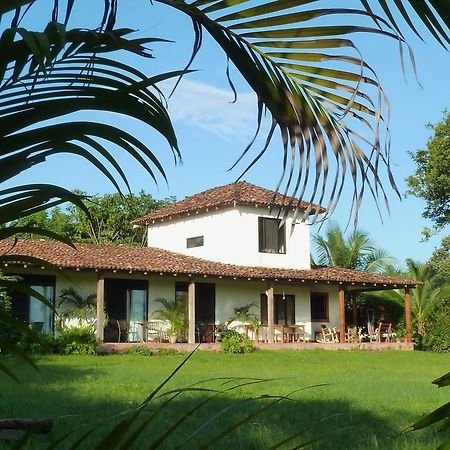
column 341, row 314
column 408, row 314
column 269, row 294
column 191, row 312
column 100, row 307
column 354, row 308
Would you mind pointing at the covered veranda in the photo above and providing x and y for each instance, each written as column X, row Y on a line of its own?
column 98, row 262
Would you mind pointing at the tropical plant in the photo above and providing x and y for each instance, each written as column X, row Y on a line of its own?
column 437, row 337
column 243, row 315
column 71, row 297
column 440, row 415
column 78, row 341
column 235, row 342
column 354, row 251
column 308, row 75
column 173, row 312
column 76, row 306
column 425, row 295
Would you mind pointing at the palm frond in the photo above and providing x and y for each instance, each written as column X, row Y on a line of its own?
column 47, row 75
column 308, row 73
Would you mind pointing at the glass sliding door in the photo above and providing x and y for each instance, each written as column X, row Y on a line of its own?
column 30, row 309
column 125, row 302
column 40, row 315
column 137, row 312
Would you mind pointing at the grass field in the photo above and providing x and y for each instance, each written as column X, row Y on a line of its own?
column 367, row 400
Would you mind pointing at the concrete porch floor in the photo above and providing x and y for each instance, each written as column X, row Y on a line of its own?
column 113, row 347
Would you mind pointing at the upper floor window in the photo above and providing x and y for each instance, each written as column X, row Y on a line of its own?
column 319, row 307
column 272, row 236
column 197, row 241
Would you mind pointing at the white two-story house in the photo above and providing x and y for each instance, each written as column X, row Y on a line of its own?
column 227, row 247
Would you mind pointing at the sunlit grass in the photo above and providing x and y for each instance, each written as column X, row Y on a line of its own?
column 375, row 394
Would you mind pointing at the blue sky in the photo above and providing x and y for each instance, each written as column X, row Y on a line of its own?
column 212, row 132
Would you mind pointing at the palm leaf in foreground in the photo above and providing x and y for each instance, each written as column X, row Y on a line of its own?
column 441, row 414
column 323, row 96
column 56, row 73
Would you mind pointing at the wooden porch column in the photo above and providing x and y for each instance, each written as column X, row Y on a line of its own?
column 408, row 314
column 269, row 294
column 100, row 307
column 191, row 312
column 341, row 314
column 354, row 310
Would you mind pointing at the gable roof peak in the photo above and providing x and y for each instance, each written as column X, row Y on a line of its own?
column 238, row 193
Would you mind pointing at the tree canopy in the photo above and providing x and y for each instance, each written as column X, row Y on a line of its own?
column 431, row 180
column 108, row 221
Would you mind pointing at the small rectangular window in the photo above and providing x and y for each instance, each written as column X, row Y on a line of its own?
column 319, row 307
column 272, row 236
column 197, row 241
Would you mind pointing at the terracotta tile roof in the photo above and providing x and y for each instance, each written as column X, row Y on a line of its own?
column 156, row 260
column 241, row 193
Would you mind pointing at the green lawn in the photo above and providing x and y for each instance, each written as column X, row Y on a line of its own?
column 367, row 400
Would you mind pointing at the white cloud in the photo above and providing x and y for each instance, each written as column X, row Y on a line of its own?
column 208, row 107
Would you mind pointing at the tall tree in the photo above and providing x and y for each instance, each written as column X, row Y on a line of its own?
column 440, row 261
column 431, row 180
column 108, row 221
column 354, row 251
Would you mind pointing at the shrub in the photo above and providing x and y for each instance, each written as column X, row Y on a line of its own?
column 9, row 335
column 234, row 342
column 139, row 350
column 170, row 352
column 36, row 343
column 437, row 337
column 78, row 341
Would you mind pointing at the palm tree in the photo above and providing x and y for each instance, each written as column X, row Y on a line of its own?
column 425, row 294
column 356, row 251
column 70, row 296
column 172, row 311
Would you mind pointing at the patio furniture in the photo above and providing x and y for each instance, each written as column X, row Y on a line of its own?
column 153, row 331
column 251, row 333
column 122, row 329
column 329, row 335
column 262, row 333
column 37, row 326
column 206, row 332
column 278, row 333
column 384, row 332
column 219, row 332
column 294, row 333
column 353, row 334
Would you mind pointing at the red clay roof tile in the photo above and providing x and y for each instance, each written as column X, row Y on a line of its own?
column 241, row 193
column 156, row 260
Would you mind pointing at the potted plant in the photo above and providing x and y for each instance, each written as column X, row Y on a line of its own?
column 78, row 309
column 172, row 311
column 243, row 315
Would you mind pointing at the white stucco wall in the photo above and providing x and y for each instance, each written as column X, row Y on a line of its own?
column 232, row 293
column 231, row 236
column 229, row 294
